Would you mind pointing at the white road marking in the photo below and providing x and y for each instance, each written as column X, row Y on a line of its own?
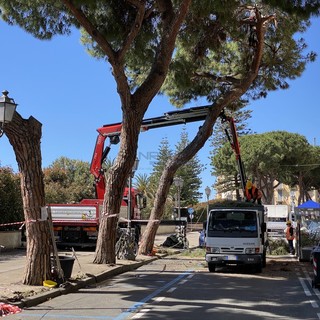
column 305, row 287
column 140, row 314
column 314, row 304
column 307, row 277
column 158, row 299
column 308, row 293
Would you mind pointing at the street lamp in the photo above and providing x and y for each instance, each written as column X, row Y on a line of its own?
column 207, row 190
column 178, row 182
column 135, row 166
column 133, row 170
column 7, row 109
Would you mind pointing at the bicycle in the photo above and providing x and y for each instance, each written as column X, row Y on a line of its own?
column 126, row 246
column 182, row 236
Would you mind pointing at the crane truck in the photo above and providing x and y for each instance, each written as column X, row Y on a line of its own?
column 236, row 233
column 78, row 224
column 242, row 242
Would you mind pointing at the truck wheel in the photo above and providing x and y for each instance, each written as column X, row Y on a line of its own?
column 258, row 267
column 211, row 267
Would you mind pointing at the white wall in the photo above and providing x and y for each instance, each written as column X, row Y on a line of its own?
column 10, row 239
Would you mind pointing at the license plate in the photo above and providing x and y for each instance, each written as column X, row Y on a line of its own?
column 231, row 257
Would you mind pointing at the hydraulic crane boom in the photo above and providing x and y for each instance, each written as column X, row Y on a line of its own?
column 78, row 224
column 113, row 131
column 234, row 142
column 250, row 191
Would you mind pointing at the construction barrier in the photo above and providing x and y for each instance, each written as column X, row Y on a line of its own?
column 316, row 267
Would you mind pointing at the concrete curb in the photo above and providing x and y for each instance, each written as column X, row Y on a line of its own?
column 69, row 287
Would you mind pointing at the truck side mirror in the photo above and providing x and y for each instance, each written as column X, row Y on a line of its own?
column 263, row 227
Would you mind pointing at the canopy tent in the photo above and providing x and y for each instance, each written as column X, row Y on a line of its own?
column 308, row 226
column 309, row 210
column 310, row 204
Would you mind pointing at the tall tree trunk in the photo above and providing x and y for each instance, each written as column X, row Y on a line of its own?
column 134, row 107
column 147, row 238
column 105, row 249
column 24, row 136
column 115, row 184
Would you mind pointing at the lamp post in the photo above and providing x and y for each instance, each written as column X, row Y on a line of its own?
column 207, row 190
column 178, row 182
column 133, row 170
column 7, row 109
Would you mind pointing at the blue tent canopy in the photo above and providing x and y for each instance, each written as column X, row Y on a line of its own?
column 309, row 205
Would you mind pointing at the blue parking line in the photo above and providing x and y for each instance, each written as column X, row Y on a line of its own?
column 137, row 305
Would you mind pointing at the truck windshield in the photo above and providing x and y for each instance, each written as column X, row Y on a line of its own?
column 233, row 224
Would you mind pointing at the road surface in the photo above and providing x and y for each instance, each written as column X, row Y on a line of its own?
column 175, row 288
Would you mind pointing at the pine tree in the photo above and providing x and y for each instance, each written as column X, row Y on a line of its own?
column 164, row 154
column 219, row 137
column 190, row 174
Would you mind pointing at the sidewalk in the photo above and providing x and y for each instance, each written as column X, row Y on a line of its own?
column 84, row 273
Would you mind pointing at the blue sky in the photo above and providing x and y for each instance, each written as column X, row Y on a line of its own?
column 72, row 95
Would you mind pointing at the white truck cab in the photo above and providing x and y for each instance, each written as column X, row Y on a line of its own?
column 236, row 236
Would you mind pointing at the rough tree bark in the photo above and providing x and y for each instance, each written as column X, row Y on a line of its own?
column 24, row 136
column 133, row 105
column 147, row 240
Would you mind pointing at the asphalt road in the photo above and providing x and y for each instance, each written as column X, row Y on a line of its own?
column 172, row 288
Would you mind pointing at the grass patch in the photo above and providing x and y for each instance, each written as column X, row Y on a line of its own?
column 194, row 253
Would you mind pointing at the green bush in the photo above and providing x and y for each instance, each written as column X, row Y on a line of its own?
column 278, row 247
column 308, row 240
column 11, row 209
column 280, row 251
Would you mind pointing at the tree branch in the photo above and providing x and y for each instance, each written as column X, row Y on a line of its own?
column 171, row 26
column 91, row 29
column 113, row 58
column 135, row 28
column 232, row 95
column 230, row 79
column 260, row 31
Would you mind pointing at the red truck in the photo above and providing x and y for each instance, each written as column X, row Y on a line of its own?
column 78, row 224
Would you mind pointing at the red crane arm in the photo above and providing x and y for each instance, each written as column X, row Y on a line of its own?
column 234, row 142
column 112, row 131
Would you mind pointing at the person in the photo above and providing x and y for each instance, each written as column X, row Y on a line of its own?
column 252, row 193
column 290, row 236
